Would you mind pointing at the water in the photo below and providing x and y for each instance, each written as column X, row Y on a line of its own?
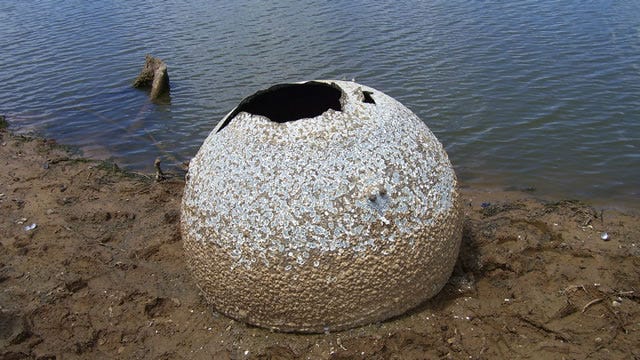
column 542, row 94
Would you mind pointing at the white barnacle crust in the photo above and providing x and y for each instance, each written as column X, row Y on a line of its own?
column 331, row 221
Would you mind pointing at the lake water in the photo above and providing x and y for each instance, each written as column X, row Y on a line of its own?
column 540, row 94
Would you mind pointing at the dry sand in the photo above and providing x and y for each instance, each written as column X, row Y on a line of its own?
column 102, row 276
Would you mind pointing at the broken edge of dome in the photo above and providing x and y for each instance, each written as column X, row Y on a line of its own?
column 290, row 102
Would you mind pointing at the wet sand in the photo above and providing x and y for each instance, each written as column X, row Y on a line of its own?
column 102, row 275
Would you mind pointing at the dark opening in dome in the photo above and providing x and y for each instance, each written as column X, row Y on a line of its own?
column 290, row 102
column 367, row 97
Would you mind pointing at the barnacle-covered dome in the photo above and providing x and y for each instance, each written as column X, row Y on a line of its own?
column 320, row 206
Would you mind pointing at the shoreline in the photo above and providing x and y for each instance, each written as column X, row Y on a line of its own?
column 177, row 168
column 101, row 274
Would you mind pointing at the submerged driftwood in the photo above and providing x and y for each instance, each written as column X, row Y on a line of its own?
column 154, row 75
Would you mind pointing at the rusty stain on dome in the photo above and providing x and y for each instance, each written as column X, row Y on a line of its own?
column 324, row 204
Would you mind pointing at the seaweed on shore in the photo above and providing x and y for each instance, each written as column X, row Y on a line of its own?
column 3, row 122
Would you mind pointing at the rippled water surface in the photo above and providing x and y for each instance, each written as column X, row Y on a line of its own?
column 540, row 94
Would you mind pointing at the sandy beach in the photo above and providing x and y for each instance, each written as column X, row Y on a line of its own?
column 91, row 267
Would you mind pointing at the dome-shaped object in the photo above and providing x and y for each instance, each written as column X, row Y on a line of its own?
column 320, row 206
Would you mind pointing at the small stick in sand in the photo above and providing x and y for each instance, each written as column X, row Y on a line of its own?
column 572, row 288
column 592, row 302
column 159, row 174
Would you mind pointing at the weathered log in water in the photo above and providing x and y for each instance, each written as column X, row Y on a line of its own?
column 154, row 75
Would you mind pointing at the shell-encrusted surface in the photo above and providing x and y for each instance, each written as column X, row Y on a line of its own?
column 321, row 223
